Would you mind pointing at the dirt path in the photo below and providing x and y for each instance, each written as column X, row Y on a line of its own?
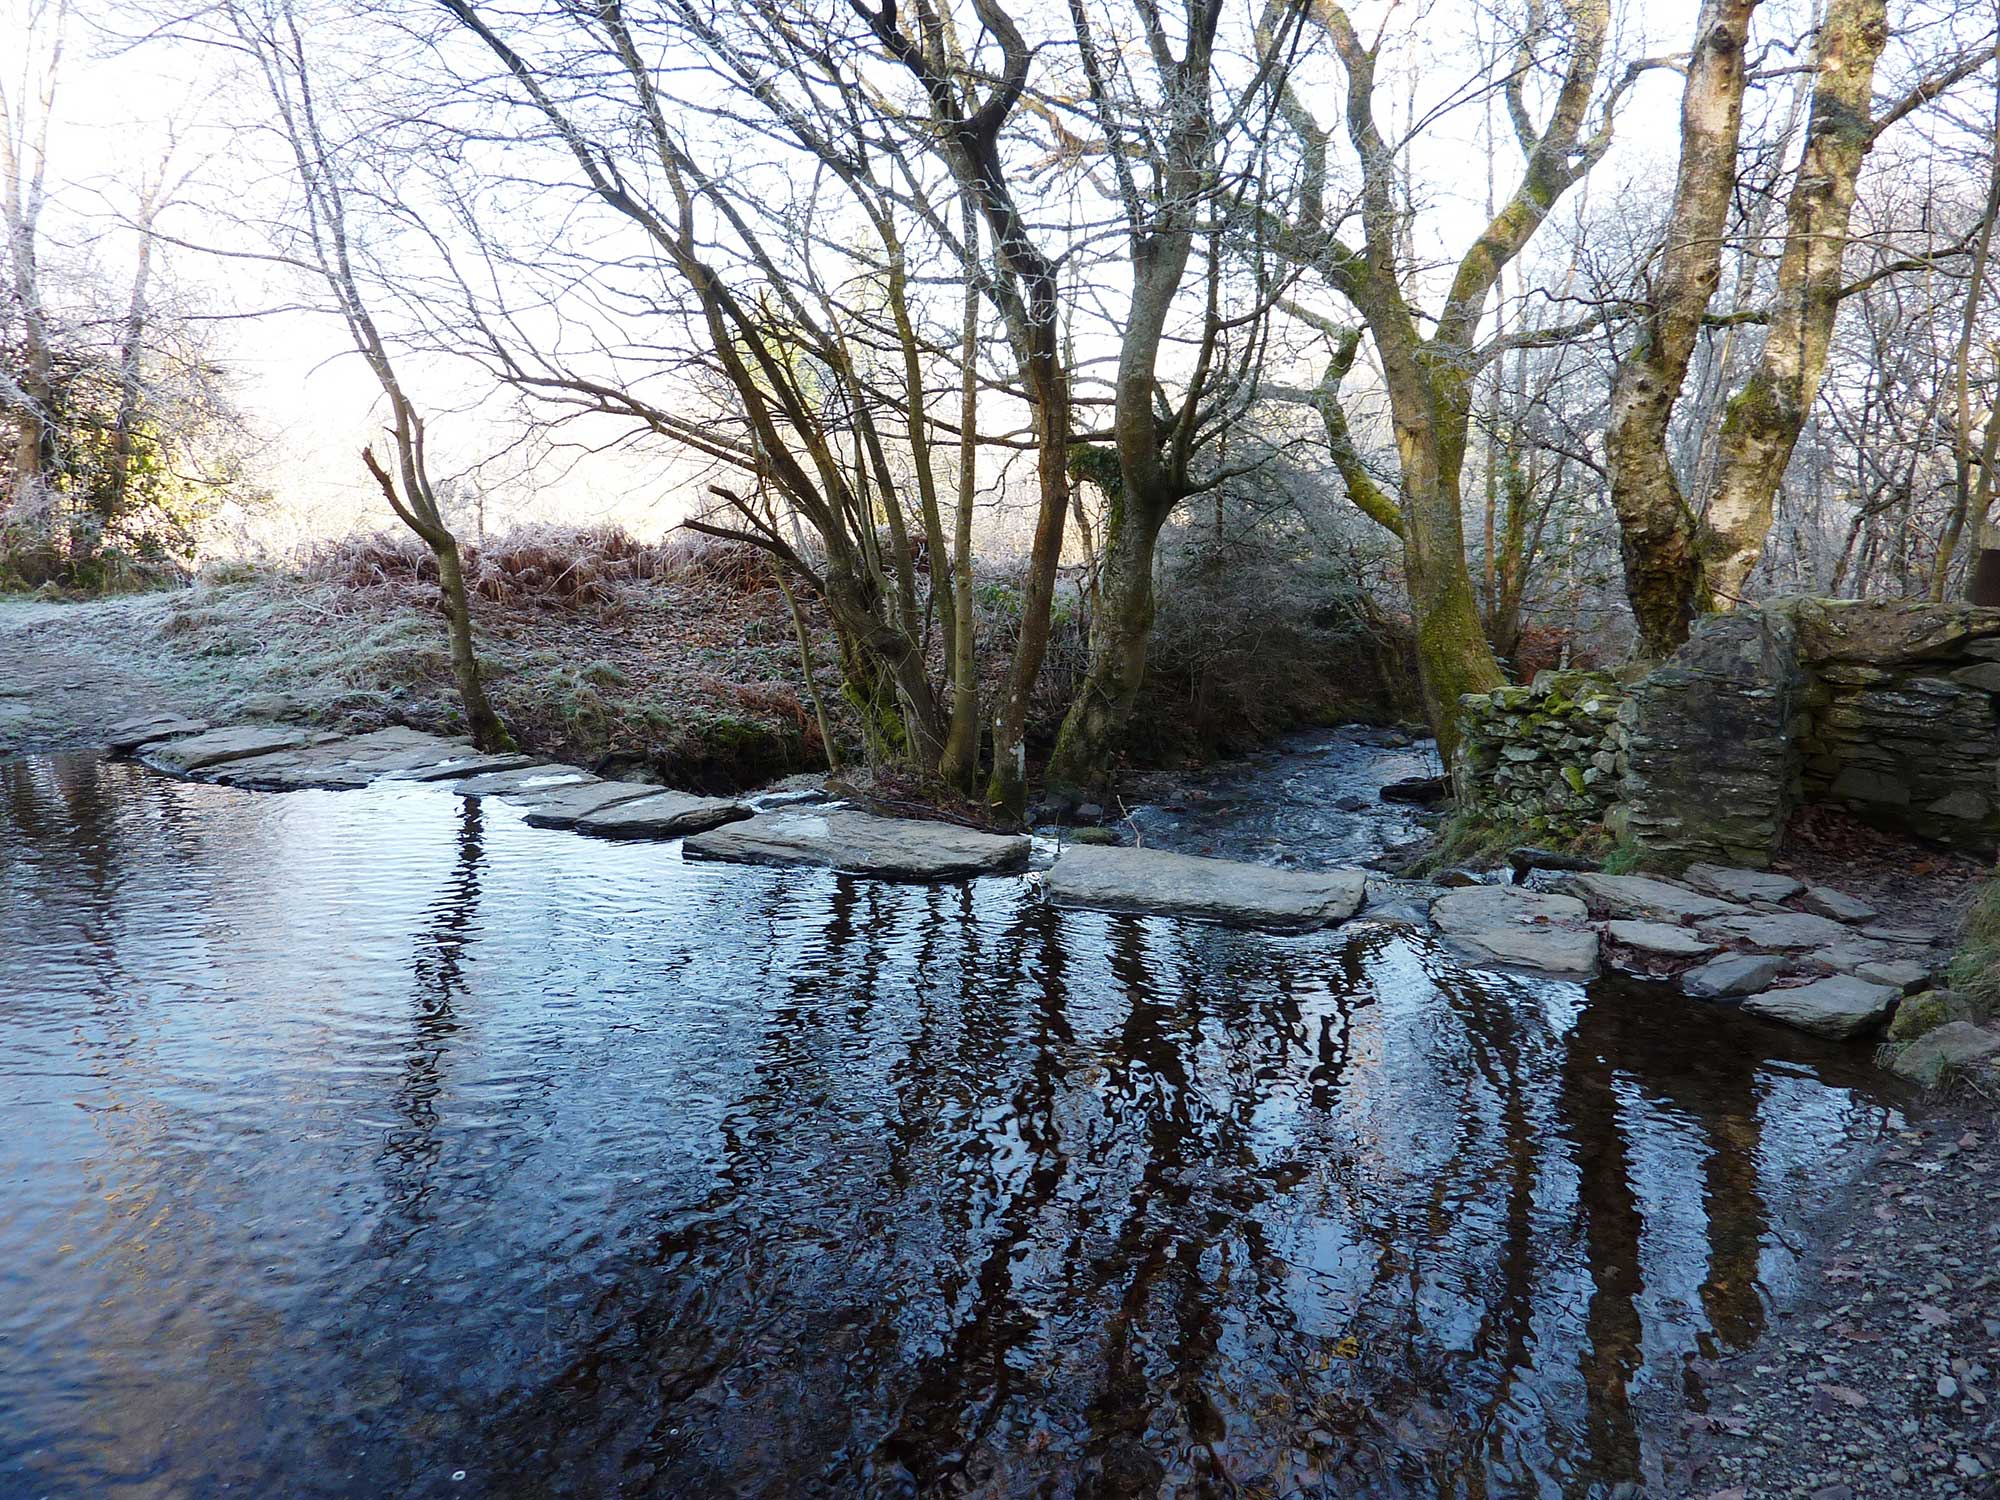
column 59, row 688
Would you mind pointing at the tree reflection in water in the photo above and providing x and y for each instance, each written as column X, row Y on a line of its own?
column 608, row 1174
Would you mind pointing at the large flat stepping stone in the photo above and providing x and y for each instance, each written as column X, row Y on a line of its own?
column 1220, row 890
column 566, row 806
column 1839, row 1007
column 1741, row 885
column 1645, row 899
column 664, row 815
column 218, row 747
column 1785, row 931
column 1659, row 939
column 1904, row 974
column 1731, row 975
column 344, row 764
column 128, row 735
column 1518, row 928
column 535, row 777
column 1908, row 937
column 469, row 765
column 863, row 844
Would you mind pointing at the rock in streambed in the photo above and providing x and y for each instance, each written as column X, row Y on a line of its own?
column 1218, row 890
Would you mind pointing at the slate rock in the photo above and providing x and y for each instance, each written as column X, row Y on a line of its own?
column 1219, row 890
column 1909, row 937
column 1519, row 928
column 1935, row 1056
column 1660, row 939
column 864, row 844
column 218, row 747
column 341, row 763
column 664, row 815
column 1840, row 1006
column 129, row 735
column 1783, row 930
column 525, row 779
column 467, row 766
column 1731, row 975
column 1904, row 974
column 1837, row 904
column 1645, row 898
column 566, row 806
column 1741, row 885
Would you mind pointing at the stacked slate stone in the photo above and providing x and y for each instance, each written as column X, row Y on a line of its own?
column 1902, row 725
column 1547, row 757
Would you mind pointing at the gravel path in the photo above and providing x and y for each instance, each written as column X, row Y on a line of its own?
column 58, row 689
column 1884, row 1381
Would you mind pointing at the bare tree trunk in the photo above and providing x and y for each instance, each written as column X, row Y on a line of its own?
column 1765, row 418
column 1658, row 535
column 1963, row 459
column 24, row 155
column 113, row 500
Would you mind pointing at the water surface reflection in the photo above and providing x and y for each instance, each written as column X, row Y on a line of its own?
column 354, row 1143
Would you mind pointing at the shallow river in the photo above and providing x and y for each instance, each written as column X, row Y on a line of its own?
column 373, row 1144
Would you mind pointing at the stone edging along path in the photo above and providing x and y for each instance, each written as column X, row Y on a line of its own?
column 1812, row 958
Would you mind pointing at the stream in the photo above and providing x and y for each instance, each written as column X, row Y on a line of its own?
column 374, row 1144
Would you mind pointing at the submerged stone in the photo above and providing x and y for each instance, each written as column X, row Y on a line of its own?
column 1219, row 890
column 1840, row 1007
column 528, row 778
column 664, row 815
column 863, row 844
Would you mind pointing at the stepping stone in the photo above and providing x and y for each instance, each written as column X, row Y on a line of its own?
column 1839, row 1007
column 529, row 778
column 218, row 747
column 1518, row 928
column 1909, row 937
column 664, row 815
column 1933, row 1057
column 469, row 766
column 1152, row 880
column 1658, row 938
column 1842, row 907
column 566, row 806
column 1849, row 954
column 1731, row 975
column 860, row 843
column 128, row 735
column 1646, row 899
column 1783, row 930
column 1741, row 885
column 1904, row 974
column 343, row 763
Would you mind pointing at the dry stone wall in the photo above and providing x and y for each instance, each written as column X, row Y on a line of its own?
column 1891, row 710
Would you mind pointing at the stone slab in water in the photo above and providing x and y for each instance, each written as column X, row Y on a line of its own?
column 468, row 766
column 1782, row 930
column 128, row 735
column 1936, row 1055
column 1838, row 904
column 1646, row 899
column 566, row 806
column 1219, row 890
column 863, row 844
column 218, row 747
column 1839, row 1007
column 1661, row 939
column 664, row 815
column 1731, row 975
column 1741, row 885
column 541, row 777
column 344, row 763
column 1520, row 928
